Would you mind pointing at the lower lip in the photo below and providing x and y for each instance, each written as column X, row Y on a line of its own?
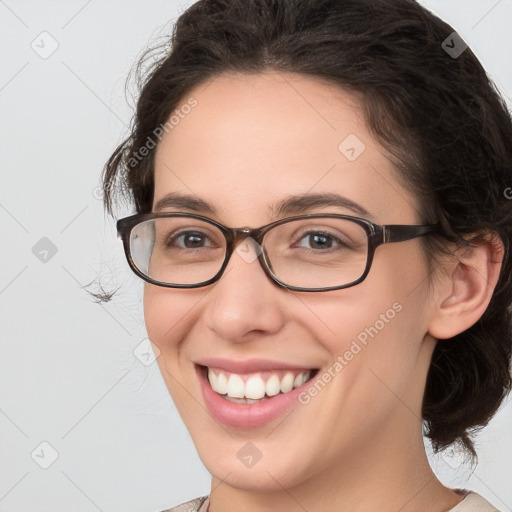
column 246, row 415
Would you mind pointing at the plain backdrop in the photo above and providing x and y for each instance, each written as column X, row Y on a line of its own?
column 84, row 424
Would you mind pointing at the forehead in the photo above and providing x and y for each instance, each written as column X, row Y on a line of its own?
column 251, row 140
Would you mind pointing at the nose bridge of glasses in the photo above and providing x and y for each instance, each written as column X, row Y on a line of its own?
column 246, row 242
column 241, row 234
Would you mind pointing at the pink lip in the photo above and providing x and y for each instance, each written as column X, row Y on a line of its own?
column 246, row 415
column 249, row 366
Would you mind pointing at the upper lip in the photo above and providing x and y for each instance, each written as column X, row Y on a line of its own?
column 248, row 366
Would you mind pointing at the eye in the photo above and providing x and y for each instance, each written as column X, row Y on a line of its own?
column 189, row 240
column 320, row 240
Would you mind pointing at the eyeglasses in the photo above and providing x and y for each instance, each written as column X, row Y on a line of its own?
column 310, row 253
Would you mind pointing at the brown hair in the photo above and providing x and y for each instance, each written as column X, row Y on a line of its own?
column 438, row 114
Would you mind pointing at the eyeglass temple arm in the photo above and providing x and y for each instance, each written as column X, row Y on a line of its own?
column 400, row 233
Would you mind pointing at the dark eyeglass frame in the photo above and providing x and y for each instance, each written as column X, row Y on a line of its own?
column 376, row 235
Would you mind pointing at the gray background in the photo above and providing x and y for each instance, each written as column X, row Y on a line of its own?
column 68, row 373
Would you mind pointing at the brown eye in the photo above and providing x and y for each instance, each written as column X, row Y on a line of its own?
column 189, row 240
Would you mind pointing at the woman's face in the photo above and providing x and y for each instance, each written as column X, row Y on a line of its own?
column 251, row 143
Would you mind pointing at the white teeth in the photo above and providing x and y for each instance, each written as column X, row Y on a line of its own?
column 287, row 383
column 273, row 386
column 213, row 380
column 222, row 384
column 255, row 388
column 235, row 386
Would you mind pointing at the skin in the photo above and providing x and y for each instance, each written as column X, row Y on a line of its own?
column 251, row 141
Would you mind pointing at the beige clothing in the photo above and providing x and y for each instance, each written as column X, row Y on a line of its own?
column 473, row 502
column 197, row 505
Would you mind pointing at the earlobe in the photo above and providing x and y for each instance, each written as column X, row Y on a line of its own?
column 466, row 287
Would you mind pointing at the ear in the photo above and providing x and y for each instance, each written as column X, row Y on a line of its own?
column 465, row 286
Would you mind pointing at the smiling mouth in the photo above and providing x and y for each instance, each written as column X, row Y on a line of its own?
column 257, row 387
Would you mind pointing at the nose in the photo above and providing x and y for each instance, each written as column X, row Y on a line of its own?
column 244, row 301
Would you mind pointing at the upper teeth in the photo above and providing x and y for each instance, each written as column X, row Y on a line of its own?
column 254, row 386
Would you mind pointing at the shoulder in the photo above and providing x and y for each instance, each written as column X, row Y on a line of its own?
column 197, row 505
column 473, row 502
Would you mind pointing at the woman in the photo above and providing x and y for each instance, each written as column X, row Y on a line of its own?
column 323, row 224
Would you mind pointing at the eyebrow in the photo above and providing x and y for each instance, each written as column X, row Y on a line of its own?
column 291, row 205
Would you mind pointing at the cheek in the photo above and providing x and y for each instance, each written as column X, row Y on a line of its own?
column 377, row 326
column 156, row 315
column 364, row 333
column 167, row 315
column 373, row 352
column 349, row 321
